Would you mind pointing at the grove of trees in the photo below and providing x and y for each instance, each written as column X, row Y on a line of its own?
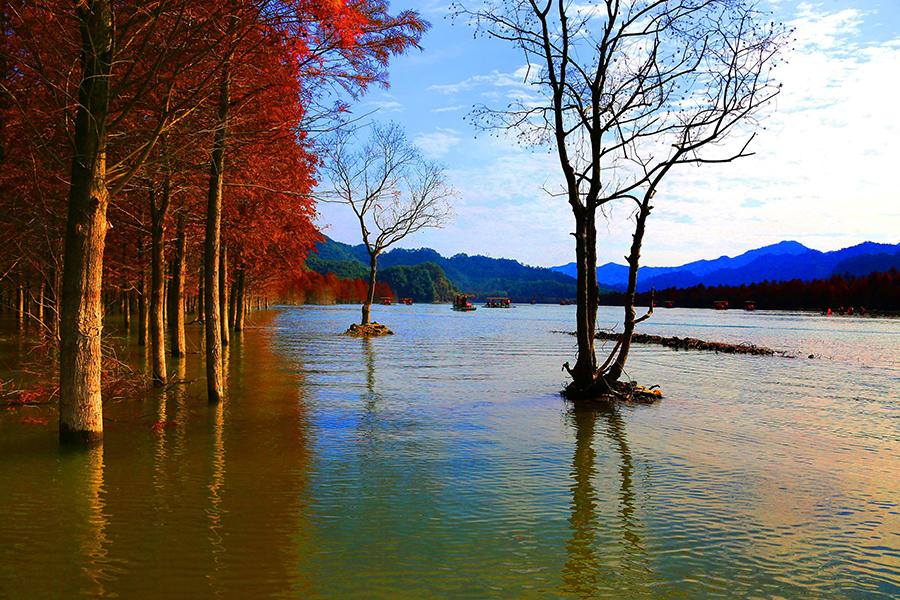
column 158, row 157
column 878, row 291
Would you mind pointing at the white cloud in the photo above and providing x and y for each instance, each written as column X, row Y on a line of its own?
column 386, row 105
column 453, row 108
column 437, row 143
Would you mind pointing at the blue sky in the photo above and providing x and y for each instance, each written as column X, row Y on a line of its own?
column 824, row 173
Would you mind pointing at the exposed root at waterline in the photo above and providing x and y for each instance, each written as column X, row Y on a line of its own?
column 619, row 392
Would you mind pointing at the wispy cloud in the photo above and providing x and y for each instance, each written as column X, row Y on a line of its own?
column 444, row 109
column 437, row 144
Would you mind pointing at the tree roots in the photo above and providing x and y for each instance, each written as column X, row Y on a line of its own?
column 604, row 392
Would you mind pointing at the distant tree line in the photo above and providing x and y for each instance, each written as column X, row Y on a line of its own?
column 877, row 291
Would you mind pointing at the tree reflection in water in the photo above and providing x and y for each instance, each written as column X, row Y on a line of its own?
column 598, row 562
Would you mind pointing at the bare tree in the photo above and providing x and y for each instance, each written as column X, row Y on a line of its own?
column 624, row 91
column 391, row 188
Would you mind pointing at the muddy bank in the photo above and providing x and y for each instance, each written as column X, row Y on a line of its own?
column 689, row 343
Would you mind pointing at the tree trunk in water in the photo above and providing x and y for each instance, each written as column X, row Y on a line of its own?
column 80, row 406
column 57, row 302
column 223, row 295
column 20, row 303
column 40, row 306
column 176, row 292
column 142, row 298
column 214, row 383
column 126, row 310
column 157, row 285
column 634, row 257
column 240, row 304
column 201, row 300
column 370, row 294
column 232, row 303
column 585, row 371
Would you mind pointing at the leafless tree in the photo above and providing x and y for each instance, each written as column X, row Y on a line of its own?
column 624, row 91
column 391, row 188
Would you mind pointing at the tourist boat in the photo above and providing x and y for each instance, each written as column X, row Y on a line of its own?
column 461, row 302
column 720, row 304
column 497, row 302
column 668, row 304
column 387, row 300
column 406, row 301
column 749, row 305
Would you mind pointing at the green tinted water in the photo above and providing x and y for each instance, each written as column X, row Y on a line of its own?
column 441, row 462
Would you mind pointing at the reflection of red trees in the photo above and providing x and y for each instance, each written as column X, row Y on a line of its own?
column 877, row 291
column 314, row 288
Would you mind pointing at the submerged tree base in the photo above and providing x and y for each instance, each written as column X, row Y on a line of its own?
column 603, row 392
column 372, row 329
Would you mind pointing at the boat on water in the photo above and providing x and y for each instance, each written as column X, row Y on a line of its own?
column 720, row 304
column 497, row 302
column 462, row 303
column 565, row 302
column 406, row 301
column 749, row 305
column 387, row 300
column 668, row 304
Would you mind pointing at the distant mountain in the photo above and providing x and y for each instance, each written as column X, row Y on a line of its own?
column 479, row 275
column 779, row 262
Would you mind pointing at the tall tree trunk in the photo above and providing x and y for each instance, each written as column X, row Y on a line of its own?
column 176, row 293
column 585, row 370
column 126, row 310
column 40, row 305
column 214, row 383
column 20, row 302
column 370, row 294
column 241, row 304
column 80, row 406
column 223, row 295
column 634, row 257
column 157, row 284
column 232, row 302
column 57, row 302
column 201, row 300
column 142, row 297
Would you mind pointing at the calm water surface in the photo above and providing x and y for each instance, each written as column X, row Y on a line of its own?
column 441, row 462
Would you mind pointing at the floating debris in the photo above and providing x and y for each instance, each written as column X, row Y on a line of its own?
column 689, row 343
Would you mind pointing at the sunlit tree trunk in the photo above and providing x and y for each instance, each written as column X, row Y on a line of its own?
column 223, row 295
column 370, row 293
column 40, row 305
column 142, row 303
column 232, row 302
column 201, row 300
column 176, row 293
column 157, row 285
column 80, row 407
column 126, row 310
column 240, row 303
column 214, row 383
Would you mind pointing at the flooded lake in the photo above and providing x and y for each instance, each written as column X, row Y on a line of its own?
column 442, row 462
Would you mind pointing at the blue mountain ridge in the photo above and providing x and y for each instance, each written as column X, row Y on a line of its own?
column 779, row 262
column 484, row 275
